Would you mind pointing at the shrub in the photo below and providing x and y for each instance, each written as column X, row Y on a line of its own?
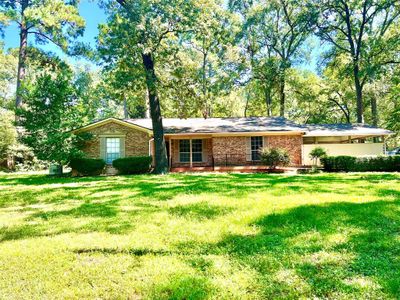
column 87, row 166
column 24, row 160
column 340, row 163
column 274, row 157
column 361, row 164
column 317, row 153
column 133, row 164
column 8, row 133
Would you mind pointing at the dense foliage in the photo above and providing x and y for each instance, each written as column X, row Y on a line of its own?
column 87, row 166
column 327, row 61
column 133, row 164
column 8, row 134
column 274, row 157
column 317, row 153
column 361, row 164
column 50, row 115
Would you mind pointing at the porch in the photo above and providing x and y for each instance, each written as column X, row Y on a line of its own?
column 227, row 153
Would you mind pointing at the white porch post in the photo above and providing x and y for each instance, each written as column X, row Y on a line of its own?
column 384, row 145
column 190, row 159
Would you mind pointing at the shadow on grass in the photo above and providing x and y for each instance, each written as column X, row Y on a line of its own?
column 182, row 286
column 131, row 251
column 199, row 211
column 328, row 246
column 106, row 209
column 148, row 187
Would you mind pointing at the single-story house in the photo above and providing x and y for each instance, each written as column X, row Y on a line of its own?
column 226, row 142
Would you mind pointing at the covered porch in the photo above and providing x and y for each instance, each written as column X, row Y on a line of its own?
column 357, row 145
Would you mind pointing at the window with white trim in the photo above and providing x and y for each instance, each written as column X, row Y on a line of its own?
column 197, row 150
column 256, row 146
column 113, row 150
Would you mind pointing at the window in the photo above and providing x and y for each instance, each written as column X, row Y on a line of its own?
column 256, row 145
column 184, row 150
column 197, row 150
column 112, row 149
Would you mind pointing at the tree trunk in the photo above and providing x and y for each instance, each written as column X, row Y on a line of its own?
column 282, row 95
column 247, row 104
column 268, row 101
column 23, row 43
column 147, row 106
column 126, row 114
column 161, row 161
column 359, row 96
column 374, row 110
column 204, row 85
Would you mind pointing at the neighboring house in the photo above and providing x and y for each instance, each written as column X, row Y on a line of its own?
column 218, row 143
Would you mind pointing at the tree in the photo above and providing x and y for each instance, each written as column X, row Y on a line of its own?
column 362, row 30
column 138, row 31
column 280, row 28
column 317, row 153
column 50, row 115
column 53, row 21
column 212, row 40
column 8, row 63
column 8, row 133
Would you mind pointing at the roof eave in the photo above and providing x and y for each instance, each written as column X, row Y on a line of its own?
column 111, row 120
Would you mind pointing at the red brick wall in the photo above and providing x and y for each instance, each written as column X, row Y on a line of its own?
column 234, row 147
column 292, row 143
column 136, row 141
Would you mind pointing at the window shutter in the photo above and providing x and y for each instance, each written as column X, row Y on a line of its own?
column 122, row 147
column 248, row 148
column 103, row 148
column 265, row 142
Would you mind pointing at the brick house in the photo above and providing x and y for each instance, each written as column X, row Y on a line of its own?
column 219, row 143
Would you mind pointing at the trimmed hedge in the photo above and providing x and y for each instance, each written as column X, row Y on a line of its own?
column 361, row 164
column 133, row 164
column 87, row 166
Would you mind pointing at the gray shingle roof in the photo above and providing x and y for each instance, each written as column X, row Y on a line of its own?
column 221, row 125
column 345, row 130
column 258, row 124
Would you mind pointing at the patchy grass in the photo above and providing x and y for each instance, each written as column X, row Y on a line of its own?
column 219, row 236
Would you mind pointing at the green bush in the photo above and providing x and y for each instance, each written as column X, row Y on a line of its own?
column 361, row 164
column 133, row 164
column 317, row 153
column 274, row 157
column 87, row 166
column 340, row 163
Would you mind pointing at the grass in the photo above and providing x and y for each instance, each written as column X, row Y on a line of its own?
column 220, row 236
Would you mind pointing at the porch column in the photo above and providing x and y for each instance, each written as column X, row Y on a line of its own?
column 170, row 153
column 384, row 145
column 190, row 153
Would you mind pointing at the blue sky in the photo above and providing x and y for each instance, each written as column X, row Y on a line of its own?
column 94, row 16
column 89, row 10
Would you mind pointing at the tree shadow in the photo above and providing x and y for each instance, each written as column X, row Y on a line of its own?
column 329, row 247
column 106, row 209
column 182, row 286
column 199, row 211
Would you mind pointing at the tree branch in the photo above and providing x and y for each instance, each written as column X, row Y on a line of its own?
column 46, row 37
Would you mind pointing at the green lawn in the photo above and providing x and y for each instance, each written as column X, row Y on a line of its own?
column 220, row 236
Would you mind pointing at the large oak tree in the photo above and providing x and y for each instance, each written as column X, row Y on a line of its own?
column 136, row 34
